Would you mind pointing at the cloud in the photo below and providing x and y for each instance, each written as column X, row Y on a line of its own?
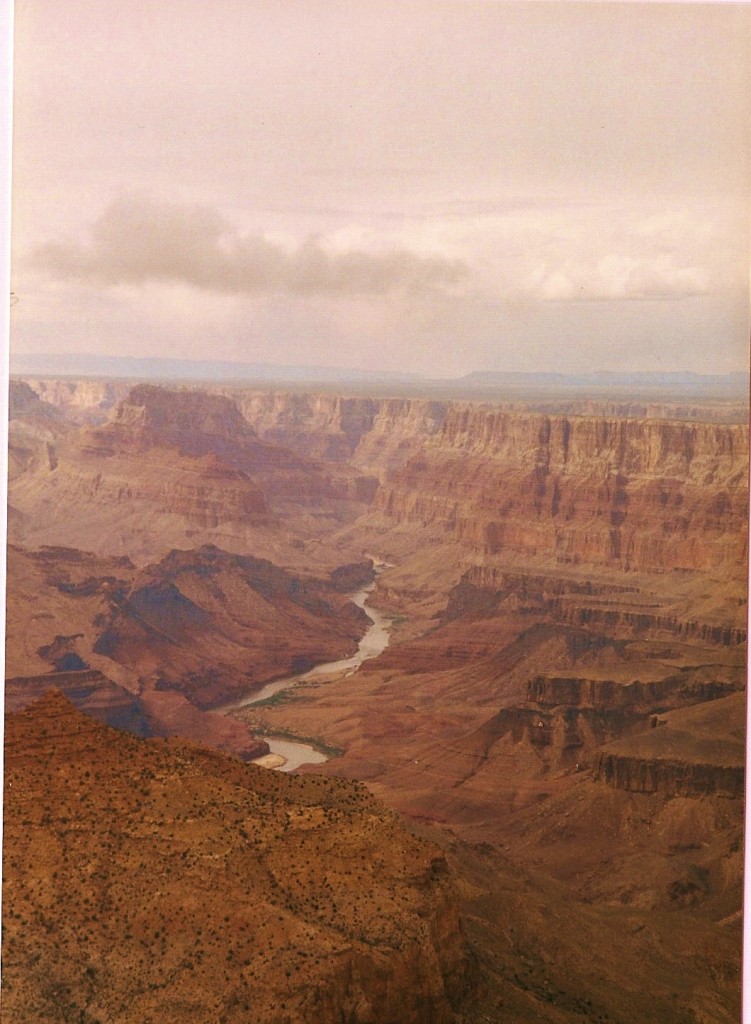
column 138, row 241
column 615, row 279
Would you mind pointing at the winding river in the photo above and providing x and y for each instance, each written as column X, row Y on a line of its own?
column 287, row 755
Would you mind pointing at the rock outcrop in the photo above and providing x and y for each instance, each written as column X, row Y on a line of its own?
column 698, row 751
column 670, row 778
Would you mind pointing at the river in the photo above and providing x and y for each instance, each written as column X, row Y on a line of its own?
column 287, row 755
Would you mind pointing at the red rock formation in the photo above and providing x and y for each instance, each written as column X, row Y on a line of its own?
column 699, row 751
column 638, row 495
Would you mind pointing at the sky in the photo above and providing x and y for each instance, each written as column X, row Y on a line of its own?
column 429, row 187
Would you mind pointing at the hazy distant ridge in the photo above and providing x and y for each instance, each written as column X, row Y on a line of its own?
column 607, row 379
column 157, row 368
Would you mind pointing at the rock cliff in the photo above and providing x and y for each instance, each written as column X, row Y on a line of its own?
column 373, row 434
column 34, row 426
column 632, row 494
column 81, row 401
column 670, row 778
column 698, row 751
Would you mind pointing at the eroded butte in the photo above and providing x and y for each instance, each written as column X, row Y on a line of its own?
column 560, row 710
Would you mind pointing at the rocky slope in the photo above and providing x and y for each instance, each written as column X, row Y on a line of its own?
column 151, row 650
column 329, row 909
column 34, row 426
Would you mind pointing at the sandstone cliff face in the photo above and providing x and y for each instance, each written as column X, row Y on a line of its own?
column 174, row 884
column 374, row 434
column 399, row 429
column 670, row 778
column 696, row 751
column 81, row 401
column 639, row 495
column 319, row 426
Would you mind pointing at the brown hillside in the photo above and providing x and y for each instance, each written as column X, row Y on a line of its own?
column 172, row 884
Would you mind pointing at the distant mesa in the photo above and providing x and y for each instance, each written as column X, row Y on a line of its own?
column 677, row 382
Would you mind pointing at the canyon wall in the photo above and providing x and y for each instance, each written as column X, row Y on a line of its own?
column 670, row 778
column 83, row 400
column 631, row 494
column 374, row 434
column 635, row 494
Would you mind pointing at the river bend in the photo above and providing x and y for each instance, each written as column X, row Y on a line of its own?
column 287, row 755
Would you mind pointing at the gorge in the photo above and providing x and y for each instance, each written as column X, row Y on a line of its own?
column 543, row 740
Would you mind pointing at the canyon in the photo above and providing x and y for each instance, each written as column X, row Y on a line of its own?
column 557, row 726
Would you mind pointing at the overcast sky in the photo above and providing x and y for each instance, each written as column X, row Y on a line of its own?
column 431, row 186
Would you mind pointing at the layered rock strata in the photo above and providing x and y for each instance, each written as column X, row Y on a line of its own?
column 634, row 495
column 698, row 751
column 171, row 466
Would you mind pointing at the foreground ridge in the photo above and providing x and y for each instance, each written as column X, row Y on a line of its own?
column 172, row 883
